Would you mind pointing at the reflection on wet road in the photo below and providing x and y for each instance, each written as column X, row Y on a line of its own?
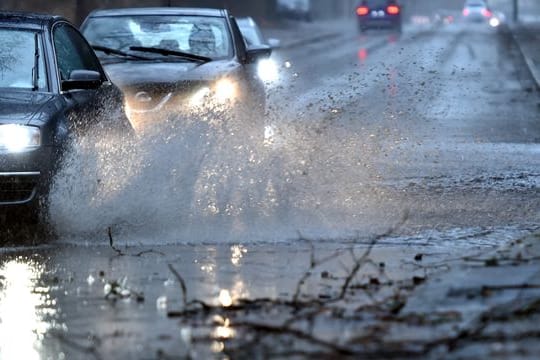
column 27, row 310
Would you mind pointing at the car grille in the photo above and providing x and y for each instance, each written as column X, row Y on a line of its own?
column 17, row 189
column 157, row 97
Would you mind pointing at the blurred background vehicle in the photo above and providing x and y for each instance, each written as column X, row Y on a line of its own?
column 52, row 85
column 476, row 11
column 267, row 68
column 297, row 9
column 171, row 61
column 376, row 14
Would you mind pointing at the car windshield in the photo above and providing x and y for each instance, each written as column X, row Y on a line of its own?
column 19, row 61
column 377, row 3
column 198, row 35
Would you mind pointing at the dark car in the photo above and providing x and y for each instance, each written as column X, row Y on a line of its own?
column 172, row 61
column 377, row 14
column 51, row 86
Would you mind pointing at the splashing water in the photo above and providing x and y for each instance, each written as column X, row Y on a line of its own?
column 217, row 178
column 189, row 180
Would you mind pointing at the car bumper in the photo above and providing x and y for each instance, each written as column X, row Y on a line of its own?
column 172, row 107
column 375, row 22
column 24, row 177
column 477, row 18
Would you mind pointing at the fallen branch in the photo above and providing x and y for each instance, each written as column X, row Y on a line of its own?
column 111, row 242
column 182, row 284
column 360, row 262
column 282, row 330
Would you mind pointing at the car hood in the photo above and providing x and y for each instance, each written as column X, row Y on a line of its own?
column 27, row 108
column 128, row 74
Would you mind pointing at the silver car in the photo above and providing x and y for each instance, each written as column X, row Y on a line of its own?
column 476, row 11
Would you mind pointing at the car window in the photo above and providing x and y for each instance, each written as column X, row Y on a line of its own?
column 200, row 35
column 475, row 3
column 72, row 52
column 377, row 3
column 18, row 60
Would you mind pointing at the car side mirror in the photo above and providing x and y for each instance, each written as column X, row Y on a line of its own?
column 255, row 53
column 82, row 80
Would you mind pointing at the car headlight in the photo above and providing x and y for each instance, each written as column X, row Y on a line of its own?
column 494, row 22
column 18, row 138
column 221, row 92
column 225, row 90
column 267, row 70
column 199, row 97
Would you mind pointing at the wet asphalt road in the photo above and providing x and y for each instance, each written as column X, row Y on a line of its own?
column 436, row 127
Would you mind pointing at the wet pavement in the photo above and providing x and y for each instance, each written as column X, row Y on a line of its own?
column 413, row 235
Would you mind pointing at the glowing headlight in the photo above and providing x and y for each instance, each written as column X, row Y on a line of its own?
column 225, row 90
column 18, row 138
column 267, row 70
column 494, row 22
column 200, row 95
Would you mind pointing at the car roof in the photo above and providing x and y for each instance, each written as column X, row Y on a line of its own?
column 378, row 2
column 160, row 11
column 475, row 2
column 27, row 19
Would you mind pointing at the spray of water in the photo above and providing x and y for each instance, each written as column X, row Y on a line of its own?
column 217, row 177
column 212, row 179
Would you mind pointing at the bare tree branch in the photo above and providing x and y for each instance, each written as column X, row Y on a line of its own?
column 182, row 284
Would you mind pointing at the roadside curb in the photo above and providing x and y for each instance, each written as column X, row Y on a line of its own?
column 533, row 69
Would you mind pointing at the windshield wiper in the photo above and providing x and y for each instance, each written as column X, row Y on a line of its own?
column 167, row 52
column 35, row 70
column 109, row 51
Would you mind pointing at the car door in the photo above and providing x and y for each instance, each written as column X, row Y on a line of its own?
column 86, row 106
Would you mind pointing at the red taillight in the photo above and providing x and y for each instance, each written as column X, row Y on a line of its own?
column 486, row 12
column 466, row 12
column 362, row 10
column 392, row 9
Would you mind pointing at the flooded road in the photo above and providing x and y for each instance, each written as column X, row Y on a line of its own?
column 403, row 148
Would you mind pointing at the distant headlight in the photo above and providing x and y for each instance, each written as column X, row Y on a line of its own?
column 494, row 22
column 19, row 138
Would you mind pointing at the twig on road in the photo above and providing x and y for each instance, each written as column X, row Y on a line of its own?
column 283, row 330
column 363, row 259
column 182, row 284
column 111, row 242
column 91, row 349
column 314, row 263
